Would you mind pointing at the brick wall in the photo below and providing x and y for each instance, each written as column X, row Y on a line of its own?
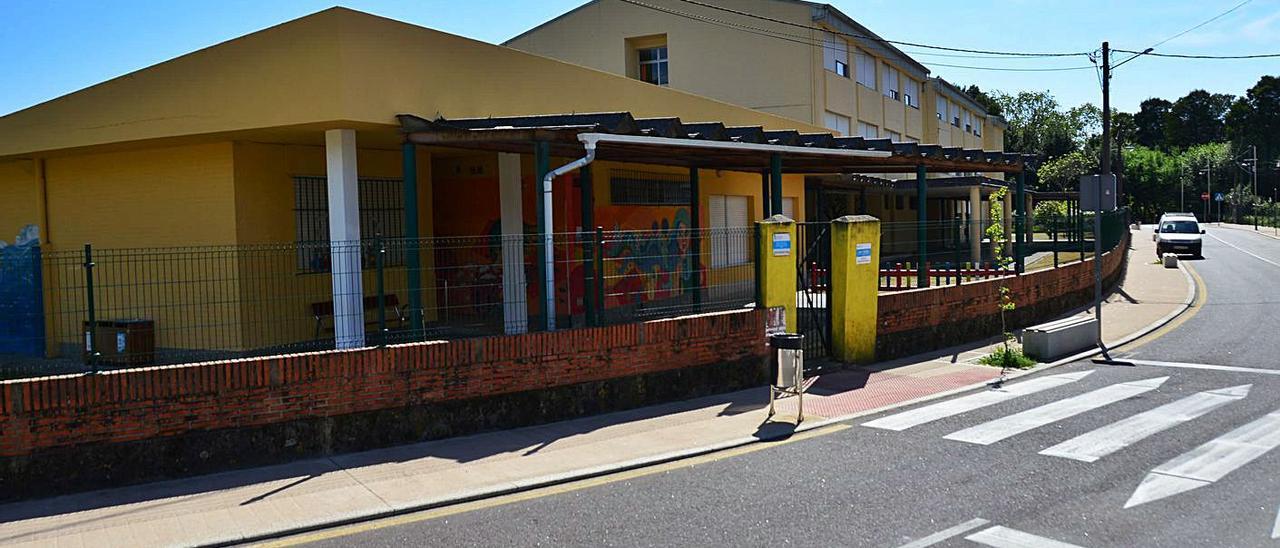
column 73, row 432
column 920, row 320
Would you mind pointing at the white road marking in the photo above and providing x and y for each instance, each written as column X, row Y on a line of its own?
column 1210, row 462
column 1012, row 425
column 1118, row 435
column 929, row 413
column 1275, row 532
column 946, row 533
column 1004, row 537
column 1242, row 250
column 1205, row 366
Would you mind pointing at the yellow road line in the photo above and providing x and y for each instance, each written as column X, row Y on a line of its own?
column 452, row 510
column 1202, row 295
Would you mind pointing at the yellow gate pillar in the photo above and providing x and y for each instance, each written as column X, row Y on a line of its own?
column 855, row 287
column 776, row 259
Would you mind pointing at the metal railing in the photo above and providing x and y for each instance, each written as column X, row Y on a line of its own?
column 112, row 308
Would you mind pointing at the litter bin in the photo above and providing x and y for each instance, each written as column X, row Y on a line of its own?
column 126, row 342
column 786, row 369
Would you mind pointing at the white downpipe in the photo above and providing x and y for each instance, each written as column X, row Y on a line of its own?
column 548, row 241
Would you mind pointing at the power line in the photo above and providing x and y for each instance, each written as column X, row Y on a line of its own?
column 1210, row 20
column 810, row 41
column 1190, row 56
column 876, row 38
column 1148, row 51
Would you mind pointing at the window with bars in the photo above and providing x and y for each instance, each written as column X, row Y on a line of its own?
column 381, row 214
column 627, row 187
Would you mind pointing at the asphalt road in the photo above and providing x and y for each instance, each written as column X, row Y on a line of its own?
column 978, row 476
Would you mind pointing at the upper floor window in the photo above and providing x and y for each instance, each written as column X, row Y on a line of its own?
column 866, row 66
column 868, row 131
column 955, row 113
column 835, row 54
column 893, row 136
column 911, row 92
column 891, row 89
column 968, row 121
column 977, row 126
column 940, row 108
column 836, row 122
column 653, row 65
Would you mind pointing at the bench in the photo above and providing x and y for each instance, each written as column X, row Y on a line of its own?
column 1049, row 341
column 322, row 310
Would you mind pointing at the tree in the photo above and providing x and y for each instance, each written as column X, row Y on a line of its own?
column 1063, row 173
column 1149, row 122
column 1255, row 120
column 988, row 102
column 1196, row 119
column 1153, row 183
column 1038, row 125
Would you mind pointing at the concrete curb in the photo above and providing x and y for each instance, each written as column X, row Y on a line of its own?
column 625, row 466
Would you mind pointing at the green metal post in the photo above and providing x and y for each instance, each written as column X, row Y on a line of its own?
column 775, row 190
column 759, row 274
column 541, row 166
column 586, row 188
column 91, row 337
column 380, row 263
column 1019, row 220
column 956, row 252
column 412, row 247
column 922, row 229
column 695, row 236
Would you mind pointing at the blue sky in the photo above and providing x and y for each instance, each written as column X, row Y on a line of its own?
column 52, row 47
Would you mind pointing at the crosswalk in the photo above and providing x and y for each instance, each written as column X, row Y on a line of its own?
column 1198, row 467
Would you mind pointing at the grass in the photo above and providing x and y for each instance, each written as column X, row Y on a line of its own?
column 1010, row 357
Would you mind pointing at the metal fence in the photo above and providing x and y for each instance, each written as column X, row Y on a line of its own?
column 112, row 308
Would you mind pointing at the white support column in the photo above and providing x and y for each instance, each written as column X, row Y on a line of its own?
column 975, row 224
column 344, row 237
column 515, row 306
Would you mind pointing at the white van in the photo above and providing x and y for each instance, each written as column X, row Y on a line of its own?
column 1179, row 233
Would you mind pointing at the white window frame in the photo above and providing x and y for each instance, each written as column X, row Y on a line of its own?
column 837, row 122
column 661, row 64
column 911, row 92
column 728, row 247
column 835, row 54
column 866, row 69
column 891, row 80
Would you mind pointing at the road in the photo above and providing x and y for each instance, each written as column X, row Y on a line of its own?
column 1164, row 452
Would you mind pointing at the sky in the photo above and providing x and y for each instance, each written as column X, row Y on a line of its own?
column 52, row 47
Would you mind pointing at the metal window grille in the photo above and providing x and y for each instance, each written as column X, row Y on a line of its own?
column 627, row 187
column 381, row 214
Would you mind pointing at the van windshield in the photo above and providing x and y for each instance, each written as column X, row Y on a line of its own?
column 1179, row 227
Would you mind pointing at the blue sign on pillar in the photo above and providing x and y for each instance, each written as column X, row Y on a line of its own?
column 1217, row 197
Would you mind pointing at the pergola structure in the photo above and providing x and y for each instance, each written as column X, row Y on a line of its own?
column 618, row 136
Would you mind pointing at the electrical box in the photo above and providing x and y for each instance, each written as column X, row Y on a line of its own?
column 130, row 342
column 1095, row 196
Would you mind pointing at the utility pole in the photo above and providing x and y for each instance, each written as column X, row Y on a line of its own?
column 1106, row 172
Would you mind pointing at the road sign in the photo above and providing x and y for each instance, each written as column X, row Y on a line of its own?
column 1217, row 197
column 1204, row 196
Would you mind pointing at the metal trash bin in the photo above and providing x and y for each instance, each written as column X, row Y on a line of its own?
column 786, row 369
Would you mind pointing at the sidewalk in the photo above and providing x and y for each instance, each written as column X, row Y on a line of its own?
column 256, row 503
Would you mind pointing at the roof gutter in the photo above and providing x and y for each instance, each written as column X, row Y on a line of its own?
column 590, row 140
